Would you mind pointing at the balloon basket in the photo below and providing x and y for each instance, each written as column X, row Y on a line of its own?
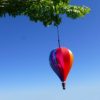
column 63, row 85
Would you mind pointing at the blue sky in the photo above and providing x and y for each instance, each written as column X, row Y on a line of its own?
column 25, row 73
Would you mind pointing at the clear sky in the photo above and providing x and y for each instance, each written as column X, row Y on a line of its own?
column 25, row 73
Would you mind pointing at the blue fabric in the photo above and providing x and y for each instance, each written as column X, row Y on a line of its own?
column 54, row 63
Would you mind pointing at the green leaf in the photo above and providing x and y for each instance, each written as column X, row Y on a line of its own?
column 45, row 11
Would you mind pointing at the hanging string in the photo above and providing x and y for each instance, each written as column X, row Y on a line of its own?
column 58, row 35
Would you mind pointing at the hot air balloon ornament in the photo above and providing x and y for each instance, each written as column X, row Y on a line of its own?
column 61, row 60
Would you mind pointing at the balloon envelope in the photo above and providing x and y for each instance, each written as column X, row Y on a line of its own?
column 61, row 60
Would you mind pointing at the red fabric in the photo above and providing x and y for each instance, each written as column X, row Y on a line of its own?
column 64, row 58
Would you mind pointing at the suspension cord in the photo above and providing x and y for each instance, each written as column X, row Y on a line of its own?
column 58, row 36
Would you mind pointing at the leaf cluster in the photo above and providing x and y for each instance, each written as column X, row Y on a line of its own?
column 46, row 11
